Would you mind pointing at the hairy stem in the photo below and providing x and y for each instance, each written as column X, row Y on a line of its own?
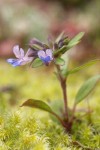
column 63, row 87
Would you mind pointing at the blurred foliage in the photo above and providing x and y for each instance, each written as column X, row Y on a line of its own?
column 26, row 128
column 73, row 3
column 22, row 20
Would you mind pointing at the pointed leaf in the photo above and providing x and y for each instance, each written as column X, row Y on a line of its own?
column 37, row 104
column 64, row 49
column 82, row 66
column 70, row 44
column 59, row 37
column 43, row 106
column 60, row 51
column 59, row 61
column 86, row 88
column 36, row 63
column 75, row 40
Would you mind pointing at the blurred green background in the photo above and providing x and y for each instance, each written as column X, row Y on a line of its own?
column 21, row 20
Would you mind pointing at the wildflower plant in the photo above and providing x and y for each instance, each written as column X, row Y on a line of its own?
column 54, row 52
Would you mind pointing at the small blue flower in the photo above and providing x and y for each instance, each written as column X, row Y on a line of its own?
column 21, row 58
column 45, row 56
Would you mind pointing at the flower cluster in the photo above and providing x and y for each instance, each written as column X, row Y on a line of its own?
column 22, row 58
column 45, row 53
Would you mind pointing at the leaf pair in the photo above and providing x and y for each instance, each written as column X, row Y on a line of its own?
column 85, row 89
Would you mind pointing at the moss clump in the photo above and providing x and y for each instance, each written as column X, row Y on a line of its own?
column 27, row 132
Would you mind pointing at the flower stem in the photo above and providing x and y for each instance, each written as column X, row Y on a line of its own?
column 65, row 98
column 63, row 87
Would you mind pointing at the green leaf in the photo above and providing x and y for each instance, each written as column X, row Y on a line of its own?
column 64, row 49
column 59, row 61
column 70, row 44
column 36, row 63
column 37, row 104
column 59, row 37
column 82, row 66
column 60, row 51
column 43, row 106
column 75, row 40
column 86, row 88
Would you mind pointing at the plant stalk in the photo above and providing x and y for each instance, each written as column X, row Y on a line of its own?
column 63, row 87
